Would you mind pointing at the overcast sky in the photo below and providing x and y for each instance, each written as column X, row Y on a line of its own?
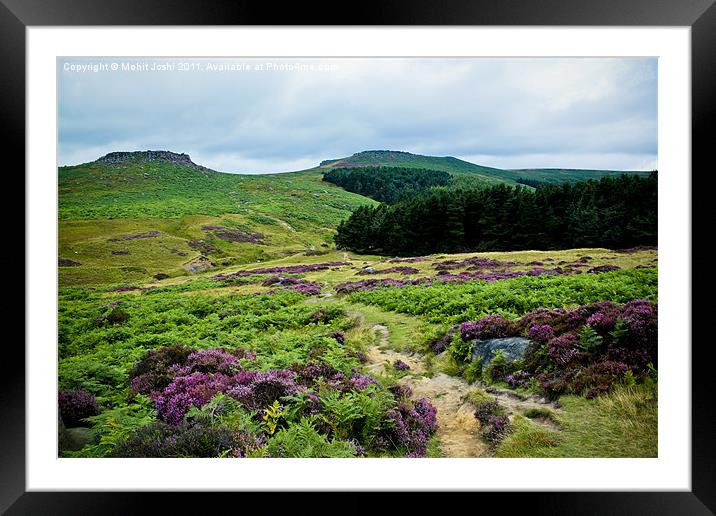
column 270, row 117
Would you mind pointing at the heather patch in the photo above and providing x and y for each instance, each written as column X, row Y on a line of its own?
column 287, row 269
column 236, row 235
column 584, row 350
column 603, row 268
column 66, row 262
column 414, row 259
column 298, row 375
column 300, row 285
column 442, row 302
column 443, row 276
column 474, row 263
column 494, row 423
column 76, row 405
column 203, row 247
column 390, row 270
column 146, row 234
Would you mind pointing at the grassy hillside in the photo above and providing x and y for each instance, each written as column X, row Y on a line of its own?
column 467, row 172
column 129, row 219
column 133, row 219
column 173, row 278
column 560, row 175
column 161, row 189
column 454, row 166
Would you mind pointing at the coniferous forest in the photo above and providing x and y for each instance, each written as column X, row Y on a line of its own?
column 611, row 212
column 387, row 184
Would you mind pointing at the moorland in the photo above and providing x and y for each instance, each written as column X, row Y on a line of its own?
column 381, row 305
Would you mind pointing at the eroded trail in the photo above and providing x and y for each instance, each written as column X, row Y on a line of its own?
column 458, row 430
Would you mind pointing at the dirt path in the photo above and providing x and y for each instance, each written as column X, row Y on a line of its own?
column 381, row 355
column 458, row 430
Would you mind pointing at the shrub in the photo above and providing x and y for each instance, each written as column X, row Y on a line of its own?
column 325, row 315
column 257, row 390
column 598, row 378
column 639, row 318
column 152, row 371
column 488, row 409
column 589, row 339
column 540, row 333
column 303, row 440
column 555, row 318
column 76, row 405
column 439, row 345
column 473, row 371
column 358, row 415
column 399, row 365
column 497, row 428
column 411, row 427
column 494, row 422
column 490, row 327
column 114, row 316
column 563, row 350
column 499, row 367
column 186, row 439
column 519, row 379
column 212, row 360
column 460, row 349
column 183, row 392
column 401, row 392
column 247, row 444
column 604, row 318
column 339, row 336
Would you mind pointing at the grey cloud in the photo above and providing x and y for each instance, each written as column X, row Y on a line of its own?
column 501, row 110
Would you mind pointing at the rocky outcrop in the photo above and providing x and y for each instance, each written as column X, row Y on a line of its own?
column 513, row 348
column 198, row 264
column 182, row 159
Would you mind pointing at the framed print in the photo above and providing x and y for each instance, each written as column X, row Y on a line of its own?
column 436, row 250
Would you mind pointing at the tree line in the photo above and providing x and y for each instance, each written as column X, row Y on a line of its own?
column 387, row 184
column 613, row 212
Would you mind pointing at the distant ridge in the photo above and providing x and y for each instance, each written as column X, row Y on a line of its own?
column 114, row 158
column 465, row 169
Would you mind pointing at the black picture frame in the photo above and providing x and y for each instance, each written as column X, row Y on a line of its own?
column 699, row 15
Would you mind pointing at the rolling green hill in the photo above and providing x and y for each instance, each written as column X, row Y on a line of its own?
column 467, row 172
column 456, row 167
column 130, row 217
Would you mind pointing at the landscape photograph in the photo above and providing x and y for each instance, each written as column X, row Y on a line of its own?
column 357, row 258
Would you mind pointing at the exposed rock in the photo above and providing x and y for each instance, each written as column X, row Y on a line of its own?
column 198, row 264
column 114, row 158
column 513, row 348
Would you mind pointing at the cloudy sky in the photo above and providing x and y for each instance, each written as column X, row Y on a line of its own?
column 273, row 115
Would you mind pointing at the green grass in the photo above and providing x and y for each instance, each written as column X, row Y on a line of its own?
column 514, row 297
column 404, row 333
column 620, row 424
column 477, row 396
column 160, row 189
column 294, row 212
